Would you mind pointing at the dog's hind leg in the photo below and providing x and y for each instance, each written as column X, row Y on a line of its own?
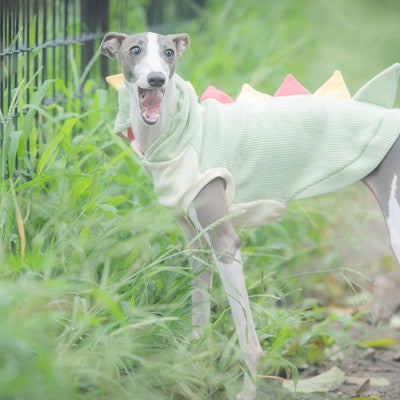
column 384, row 182
column 209, row 214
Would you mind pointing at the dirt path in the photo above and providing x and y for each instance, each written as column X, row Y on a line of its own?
column 366, row 249
column 361, row 244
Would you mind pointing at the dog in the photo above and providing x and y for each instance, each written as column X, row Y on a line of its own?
column 222, row 166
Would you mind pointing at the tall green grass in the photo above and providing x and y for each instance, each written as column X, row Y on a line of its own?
column 95, row 283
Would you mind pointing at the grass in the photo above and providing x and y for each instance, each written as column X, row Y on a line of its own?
column 95, row 283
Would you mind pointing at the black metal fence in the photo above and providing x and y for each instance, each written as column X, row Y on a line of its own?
column 44, row 39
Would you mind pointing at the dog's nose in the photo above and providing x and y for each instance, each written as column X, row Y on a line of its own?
column 156, row 79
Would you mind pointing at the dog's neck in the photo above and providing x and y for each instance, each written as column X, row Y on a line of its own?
column 146, row 134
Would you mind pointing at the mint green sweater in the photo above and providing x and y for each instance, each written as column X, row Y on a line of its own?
column 271, row 152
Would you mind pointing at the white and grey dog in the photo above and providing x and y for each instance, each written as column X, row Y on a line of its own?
column 219, row 166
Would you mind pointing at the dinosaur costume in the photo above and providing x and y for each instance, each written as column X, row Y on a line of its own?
column 283, row 148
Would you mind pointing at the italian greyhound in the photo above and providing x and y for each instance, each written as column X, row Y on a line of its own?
column 148, row 64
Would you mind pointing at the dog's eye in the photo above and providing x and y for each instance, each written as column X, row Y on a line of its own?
column 135, row 50
column 169, row 53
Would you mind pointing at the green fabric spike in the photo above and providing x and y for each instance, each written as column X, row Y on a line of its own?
column 382, row 89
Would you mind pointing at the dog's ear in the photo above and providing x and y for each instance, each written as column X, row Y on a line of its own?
column 181, row 42
column 112, row 43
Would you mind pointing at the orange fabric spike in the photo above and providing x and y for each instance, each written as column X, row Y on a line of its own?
column 248, row 93
column 291, row 86
column 334, row 86
column 115, row 80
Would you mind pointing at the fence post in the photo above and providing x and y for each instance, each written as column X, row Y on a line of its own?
column 93, row 22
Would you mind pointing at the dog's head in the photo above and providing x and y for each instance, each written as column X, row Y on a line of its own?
column 148, row 61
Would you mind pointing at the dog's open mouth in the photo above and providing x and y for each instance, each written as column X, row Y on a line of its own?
column 150, row 104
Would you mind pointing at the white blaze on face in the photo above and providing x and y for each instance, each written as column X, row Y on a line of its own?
column 151, row 62
column 150, row 98
column 393, row 219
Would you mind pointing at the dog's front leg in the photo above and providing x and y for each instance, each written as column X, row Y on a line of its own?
column 200, row 263
column 231, row 273
column 205, row 214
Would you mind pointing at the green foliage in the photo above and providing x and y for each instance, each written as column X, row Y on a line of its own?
column 30, row 365
column 259, row 42
column 95, row 284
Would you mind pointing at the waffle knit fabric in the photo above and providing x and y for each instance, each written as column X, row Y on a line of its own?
column 268, row 153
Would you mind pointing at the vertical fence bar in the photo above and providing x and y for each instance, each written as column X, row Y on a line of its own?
column 8, row 39
column 65, row 37
column 15, row 29
column 53, row 41
column 27, row 26
column 104, row 28
column 3, row 6
column 44, row 38
column 2, row 50
column 16, row 33
column 35, row 12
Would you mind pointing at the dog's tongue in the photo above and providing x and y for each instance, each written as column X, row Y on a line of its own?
column 150, row 103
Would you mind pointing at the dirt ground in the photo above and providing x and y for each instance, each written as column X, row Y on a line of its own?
column 367, row 249
column 362, row 245
column 380, row 365
column 371, row 373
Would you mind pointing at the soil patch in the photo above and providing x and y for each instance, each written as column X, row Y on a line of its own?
column 361, row 243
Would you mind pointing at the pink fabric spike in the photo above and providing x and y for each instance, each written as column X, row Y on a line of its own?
column 213, row 93
column 291, row 86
